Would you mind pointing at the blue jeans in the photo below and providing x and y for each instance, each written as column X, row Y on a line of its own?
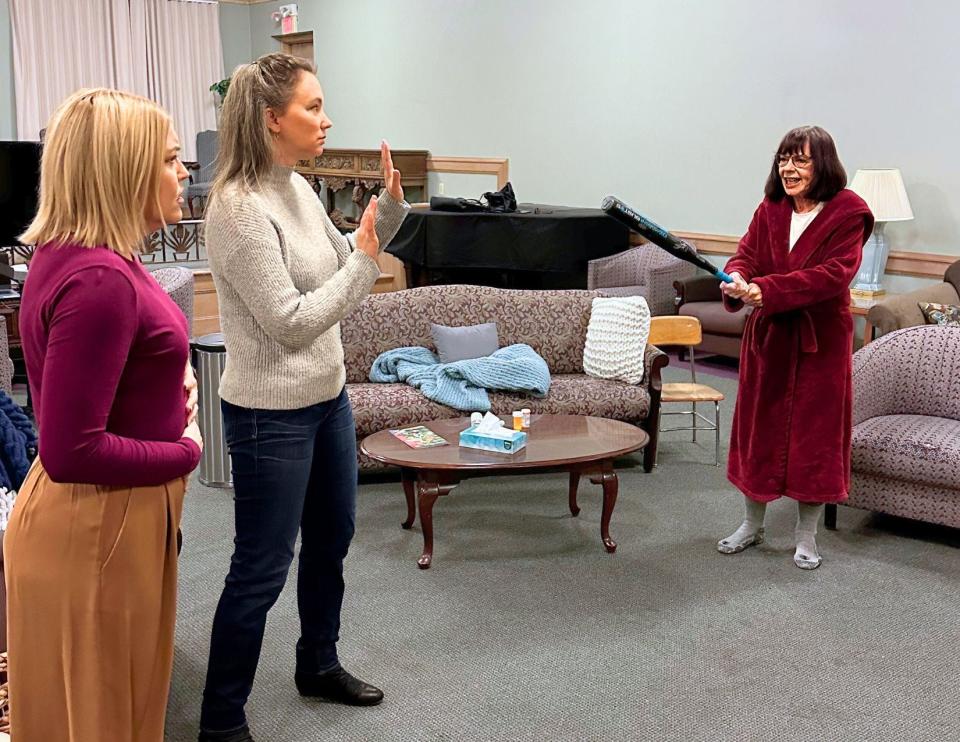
column 292, row 470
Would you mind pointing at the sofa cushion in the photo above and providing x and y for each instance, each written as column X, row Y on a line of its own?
column 462, row 343
column 913, row 448
column 579, row 394
column 380, row 406
column 715, row 319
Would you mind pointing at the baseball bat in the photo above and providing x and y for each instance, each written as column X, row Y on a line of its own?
column 659, row 236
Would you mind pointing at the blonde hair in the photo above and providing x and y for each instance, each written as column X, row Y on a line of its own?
column 246, row 148
column 100, row 169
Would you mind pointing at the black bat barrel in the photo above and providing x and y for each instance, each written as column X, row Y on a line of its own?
column 660, row 237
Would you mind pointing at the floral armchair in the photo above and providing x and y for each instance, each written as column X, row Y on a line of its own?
column 906, row 426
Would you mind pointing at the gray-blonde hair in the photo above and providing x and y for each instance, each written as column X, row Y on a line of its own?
column 246, row 148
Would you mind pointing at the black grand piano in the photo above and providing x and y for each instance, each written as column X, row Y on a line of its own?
column 537, row 247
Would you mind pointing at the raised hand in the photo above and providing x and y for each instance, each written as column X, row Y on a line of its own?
column 391, row 176
column 366, row 234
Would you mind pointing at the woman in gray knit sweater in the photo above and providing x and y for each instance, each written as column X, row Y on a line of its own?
column 285, row 277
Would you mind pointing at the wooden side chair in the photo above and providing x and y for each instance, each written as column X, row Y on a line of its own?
column 685, row 331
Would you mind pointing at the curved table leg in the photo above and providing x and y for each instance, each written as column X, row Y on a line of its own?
column 574, row 481
column 409, row 484
column 608, row 479
column 428, row 494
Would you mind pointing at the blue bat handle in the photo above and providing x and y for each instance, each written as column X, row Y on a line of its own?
column 723, row 276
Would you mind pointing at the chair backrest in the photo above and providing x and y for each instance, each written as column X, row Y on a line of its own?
column 177, row 283
column 952, row 276
column 208, row 144
column 645, row 270
column 628, row 268
column 915, row 370
column 676, row 330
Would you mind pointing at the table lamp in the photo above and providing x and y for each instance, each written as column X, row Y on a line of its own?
column 883, row 190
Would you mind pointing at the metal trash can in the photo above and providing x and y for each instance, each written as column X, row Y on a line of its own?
column 209, row 358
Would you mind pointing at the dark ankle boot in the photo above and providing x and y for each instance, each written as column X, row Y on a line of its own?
column 234, row 735
column 339, row 686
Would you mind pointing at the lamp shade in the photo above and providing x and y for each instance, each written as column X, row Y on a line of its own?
column 884, row 193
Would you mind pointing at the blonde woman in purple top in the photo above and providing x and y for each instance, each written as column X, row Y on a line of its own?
column 91, row 549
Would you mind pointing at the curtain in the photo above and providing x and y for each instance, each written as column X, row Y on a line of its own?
column 62, row 45
column 184, row 58
column 166, row 50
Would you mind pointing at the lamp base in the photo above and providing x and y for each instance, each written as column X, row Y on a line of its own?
column 869, row 283
column 867, row 293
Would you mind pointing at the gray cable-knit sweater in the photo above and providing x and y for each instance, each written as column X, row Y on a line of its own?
column 285, row 277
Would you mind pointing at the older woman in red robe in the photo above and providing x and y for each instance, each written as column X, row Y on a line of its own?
column 792, row 424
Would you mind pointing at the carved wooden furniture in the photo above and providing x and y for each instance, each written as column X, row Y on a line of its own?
column 338, row 168
column 577, row 444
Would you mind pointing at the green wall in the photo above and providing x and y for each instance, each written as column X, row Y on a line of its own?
column 234, row 35
column 675, row 106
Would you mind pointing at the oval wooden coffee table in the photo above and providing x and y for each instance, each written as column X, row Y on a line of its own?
column 575, row 443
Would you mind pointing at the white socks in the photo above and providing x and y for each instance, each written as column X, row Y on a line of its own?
column 806, row 555
column 750, row 532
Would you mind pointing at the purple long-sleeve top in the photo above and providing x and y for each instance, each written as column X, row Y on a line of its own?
column 105, row 350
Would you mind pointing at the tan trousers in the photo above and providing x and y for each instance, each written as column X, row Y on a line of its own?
column 91, row 588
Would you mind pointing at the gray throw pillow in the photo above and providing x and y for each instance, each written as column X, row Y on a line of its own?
column 460, row 343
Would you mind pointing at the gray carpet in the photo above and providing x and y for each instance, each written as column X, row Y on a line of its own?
column 525, row 629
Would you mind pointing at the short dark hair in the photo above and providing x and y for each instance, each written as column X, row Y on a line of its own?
column 829, row 177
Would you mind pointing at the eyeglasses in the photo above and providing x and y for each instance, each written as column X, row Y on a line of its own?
column 799, row 161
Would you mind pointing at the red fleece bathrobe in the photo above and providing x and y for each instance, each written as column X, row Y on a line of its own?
column 792, row 424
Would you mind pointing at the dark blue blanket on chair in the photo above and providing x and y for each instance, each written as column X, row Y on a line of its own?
column 18, row 443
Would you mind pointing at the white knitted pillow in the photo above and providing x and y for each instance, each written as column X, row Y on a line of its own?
column 617, row 338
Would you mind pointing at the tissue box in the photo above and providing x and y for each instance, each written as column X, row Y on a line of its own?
column 515, row 440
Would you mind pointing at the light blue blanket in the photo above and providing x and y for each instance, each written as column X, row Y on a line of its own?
column 463, row 385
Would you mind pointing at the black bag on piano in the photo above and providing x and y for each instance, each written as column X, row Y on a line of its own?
column 494, row 202
column 447, row 203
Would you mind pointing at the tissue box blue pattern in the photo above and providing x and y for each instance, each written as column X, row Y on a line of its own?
column 470, row 438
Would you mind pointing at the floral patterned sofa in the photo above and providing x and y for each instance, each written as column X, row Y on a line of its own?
column 906, row 426
column 554, row 323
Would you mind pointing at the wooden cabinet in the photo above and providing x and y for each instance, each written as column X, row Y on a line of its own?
column 206, row 307
column 297, row 44
column 361, row 168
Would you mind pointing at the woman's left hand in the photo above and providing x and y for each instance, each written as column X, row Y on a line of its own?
column 190, row 387
column 754, row 296
column 391, row 176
